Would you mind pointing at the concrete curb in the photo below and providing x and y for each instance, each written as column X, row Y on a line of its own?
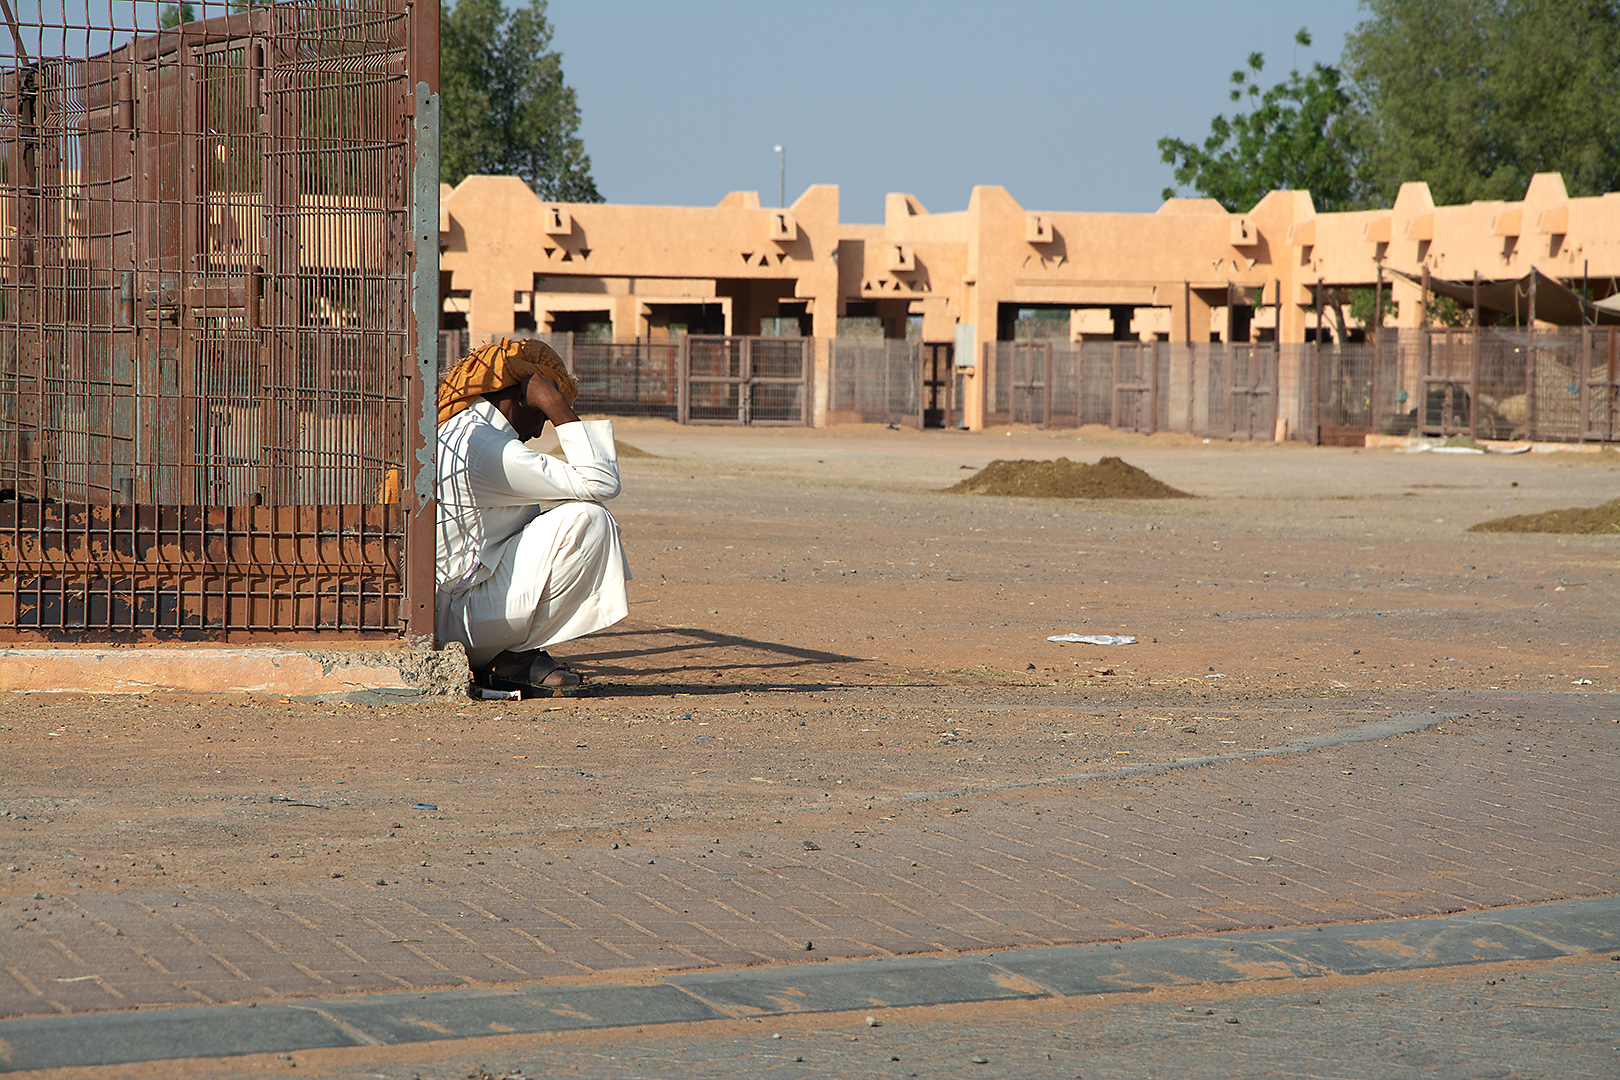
column 1538, row 932
column 303, row 674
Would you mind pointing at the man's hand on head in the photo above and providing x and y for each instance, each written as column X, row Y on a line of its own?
column 540, row 392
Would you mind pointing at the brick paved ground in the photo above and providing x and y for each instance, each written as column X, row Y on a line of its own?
column 1549, row 1020
column 1472, row 813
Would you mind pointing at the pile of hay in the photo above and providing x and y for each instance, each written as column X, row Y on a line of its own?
column 1586, row 520
column 1110, row 478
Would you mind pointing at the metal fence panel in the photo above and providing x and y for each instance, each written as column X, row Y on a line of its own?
column 878, row 381
column 207, row 347
column 745, row 380
column 622, row 378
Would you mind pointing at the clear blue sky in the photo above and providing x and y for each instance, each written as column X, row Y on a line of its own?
column 1061, row 103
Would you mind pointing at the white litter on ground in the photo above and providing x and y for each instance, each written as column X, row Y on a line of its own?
column 1095, row 639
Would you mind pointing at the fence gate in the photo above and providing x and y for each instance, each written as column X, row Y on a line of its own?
column 1136, row 386
column 938, row 382
column 1031, row 381
column 746, row 380
column 1449, row 362
column 208, row 361
column 1253, row 390
column 1600, row 385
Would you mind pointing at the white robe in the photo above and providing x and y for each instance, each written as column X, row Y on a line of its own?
column 527, row 555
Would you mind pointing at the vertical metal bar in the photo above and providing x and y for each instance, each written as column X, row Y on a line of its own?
column 1316, row 373
column 807, row 397
column 683, row 378
column 1473, row 375
column 1530, row 416
column 1192, row 388
column 1276, row 357
column 1585, row 379
column 921, row 365
column 1378, row 348
column 1614, row 382
column 1153, row 388
column 1113, row 403
column 1046, row 388
column 421, row 407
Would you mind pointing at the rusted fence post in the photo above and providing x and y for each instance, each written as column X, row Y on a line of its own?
column 425, row 308
column 1530, row 410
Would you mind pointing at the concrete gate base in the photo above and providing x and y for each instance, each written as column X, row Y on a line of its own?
column 301, row 673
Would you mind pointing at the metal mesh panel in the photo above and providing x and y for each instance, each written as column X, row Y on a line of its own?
column 779, row 380
column 880, row 381
column 714, row 377
column 1094, row 362
column 204, row 327
column 1252, row 413
column 630, row 379
column 746, row 380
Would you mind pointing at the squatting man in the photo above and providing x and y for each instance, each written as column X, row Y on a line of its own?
column 527, row 555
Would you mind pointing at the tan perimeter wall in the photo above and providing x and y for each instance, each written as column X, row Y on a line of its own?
column 511, row 262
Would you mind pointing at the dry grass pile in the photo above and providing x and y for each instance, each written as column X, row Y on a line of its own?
column 1603, row 520
column 1110, row 478
column 628, row 451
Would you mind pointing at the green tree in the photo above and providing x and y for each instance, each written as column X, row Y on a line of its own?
column 506, row 110
column 1475, row 96
column 173, row 15
column 1296, row 134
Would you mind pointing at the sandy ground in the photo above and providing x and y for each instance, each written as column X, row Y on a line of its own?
column 812, row 618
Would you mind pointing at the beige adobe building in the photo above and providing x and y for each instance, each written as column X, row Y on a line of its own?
column 1190, row 271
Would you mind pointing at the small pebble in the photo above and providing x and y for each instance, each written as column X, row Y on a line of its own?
column 981, row 1060
column 809, row 945
column 776, row 1034
column 871, row 1021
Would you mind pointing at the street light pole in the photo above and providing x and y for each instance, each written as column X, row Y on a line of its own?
column 781, row 193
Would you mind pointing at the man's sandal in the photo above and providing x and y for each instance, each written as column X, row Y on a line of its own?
column 527, row 672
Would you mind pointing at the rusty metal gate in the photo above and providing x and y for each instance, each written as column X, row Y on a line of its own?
column 212, row 386
column 1448, row 372
column 746, row 380
column 1136, row 386
column 1252, row 392
column 1599, row 387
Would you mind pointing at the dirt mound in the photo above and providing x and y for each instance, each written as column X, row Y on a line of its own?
column 628, row 451
column 1110, row 478
column 1589, row 520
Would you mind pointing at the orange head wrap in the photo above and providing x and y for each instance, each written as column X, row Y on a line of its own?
column 499, row 365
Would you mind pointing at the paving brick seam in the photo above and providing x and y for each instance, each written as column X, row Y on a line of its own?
column 373, row 1020
column 1520, row 889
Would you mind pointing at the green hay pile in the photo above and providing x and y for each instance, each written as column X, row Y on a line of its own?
column 1601, row 520
column 1110, row 478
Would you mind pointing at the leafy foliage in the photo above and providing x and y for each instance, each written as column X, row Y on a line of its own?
column 1472, row 96
column 505, row 108
column 1475, row 97
column 173, row 15
column 1296, row 134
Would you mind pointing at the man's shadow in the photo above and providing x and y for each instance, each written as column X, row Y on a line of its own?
column 684, row 660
